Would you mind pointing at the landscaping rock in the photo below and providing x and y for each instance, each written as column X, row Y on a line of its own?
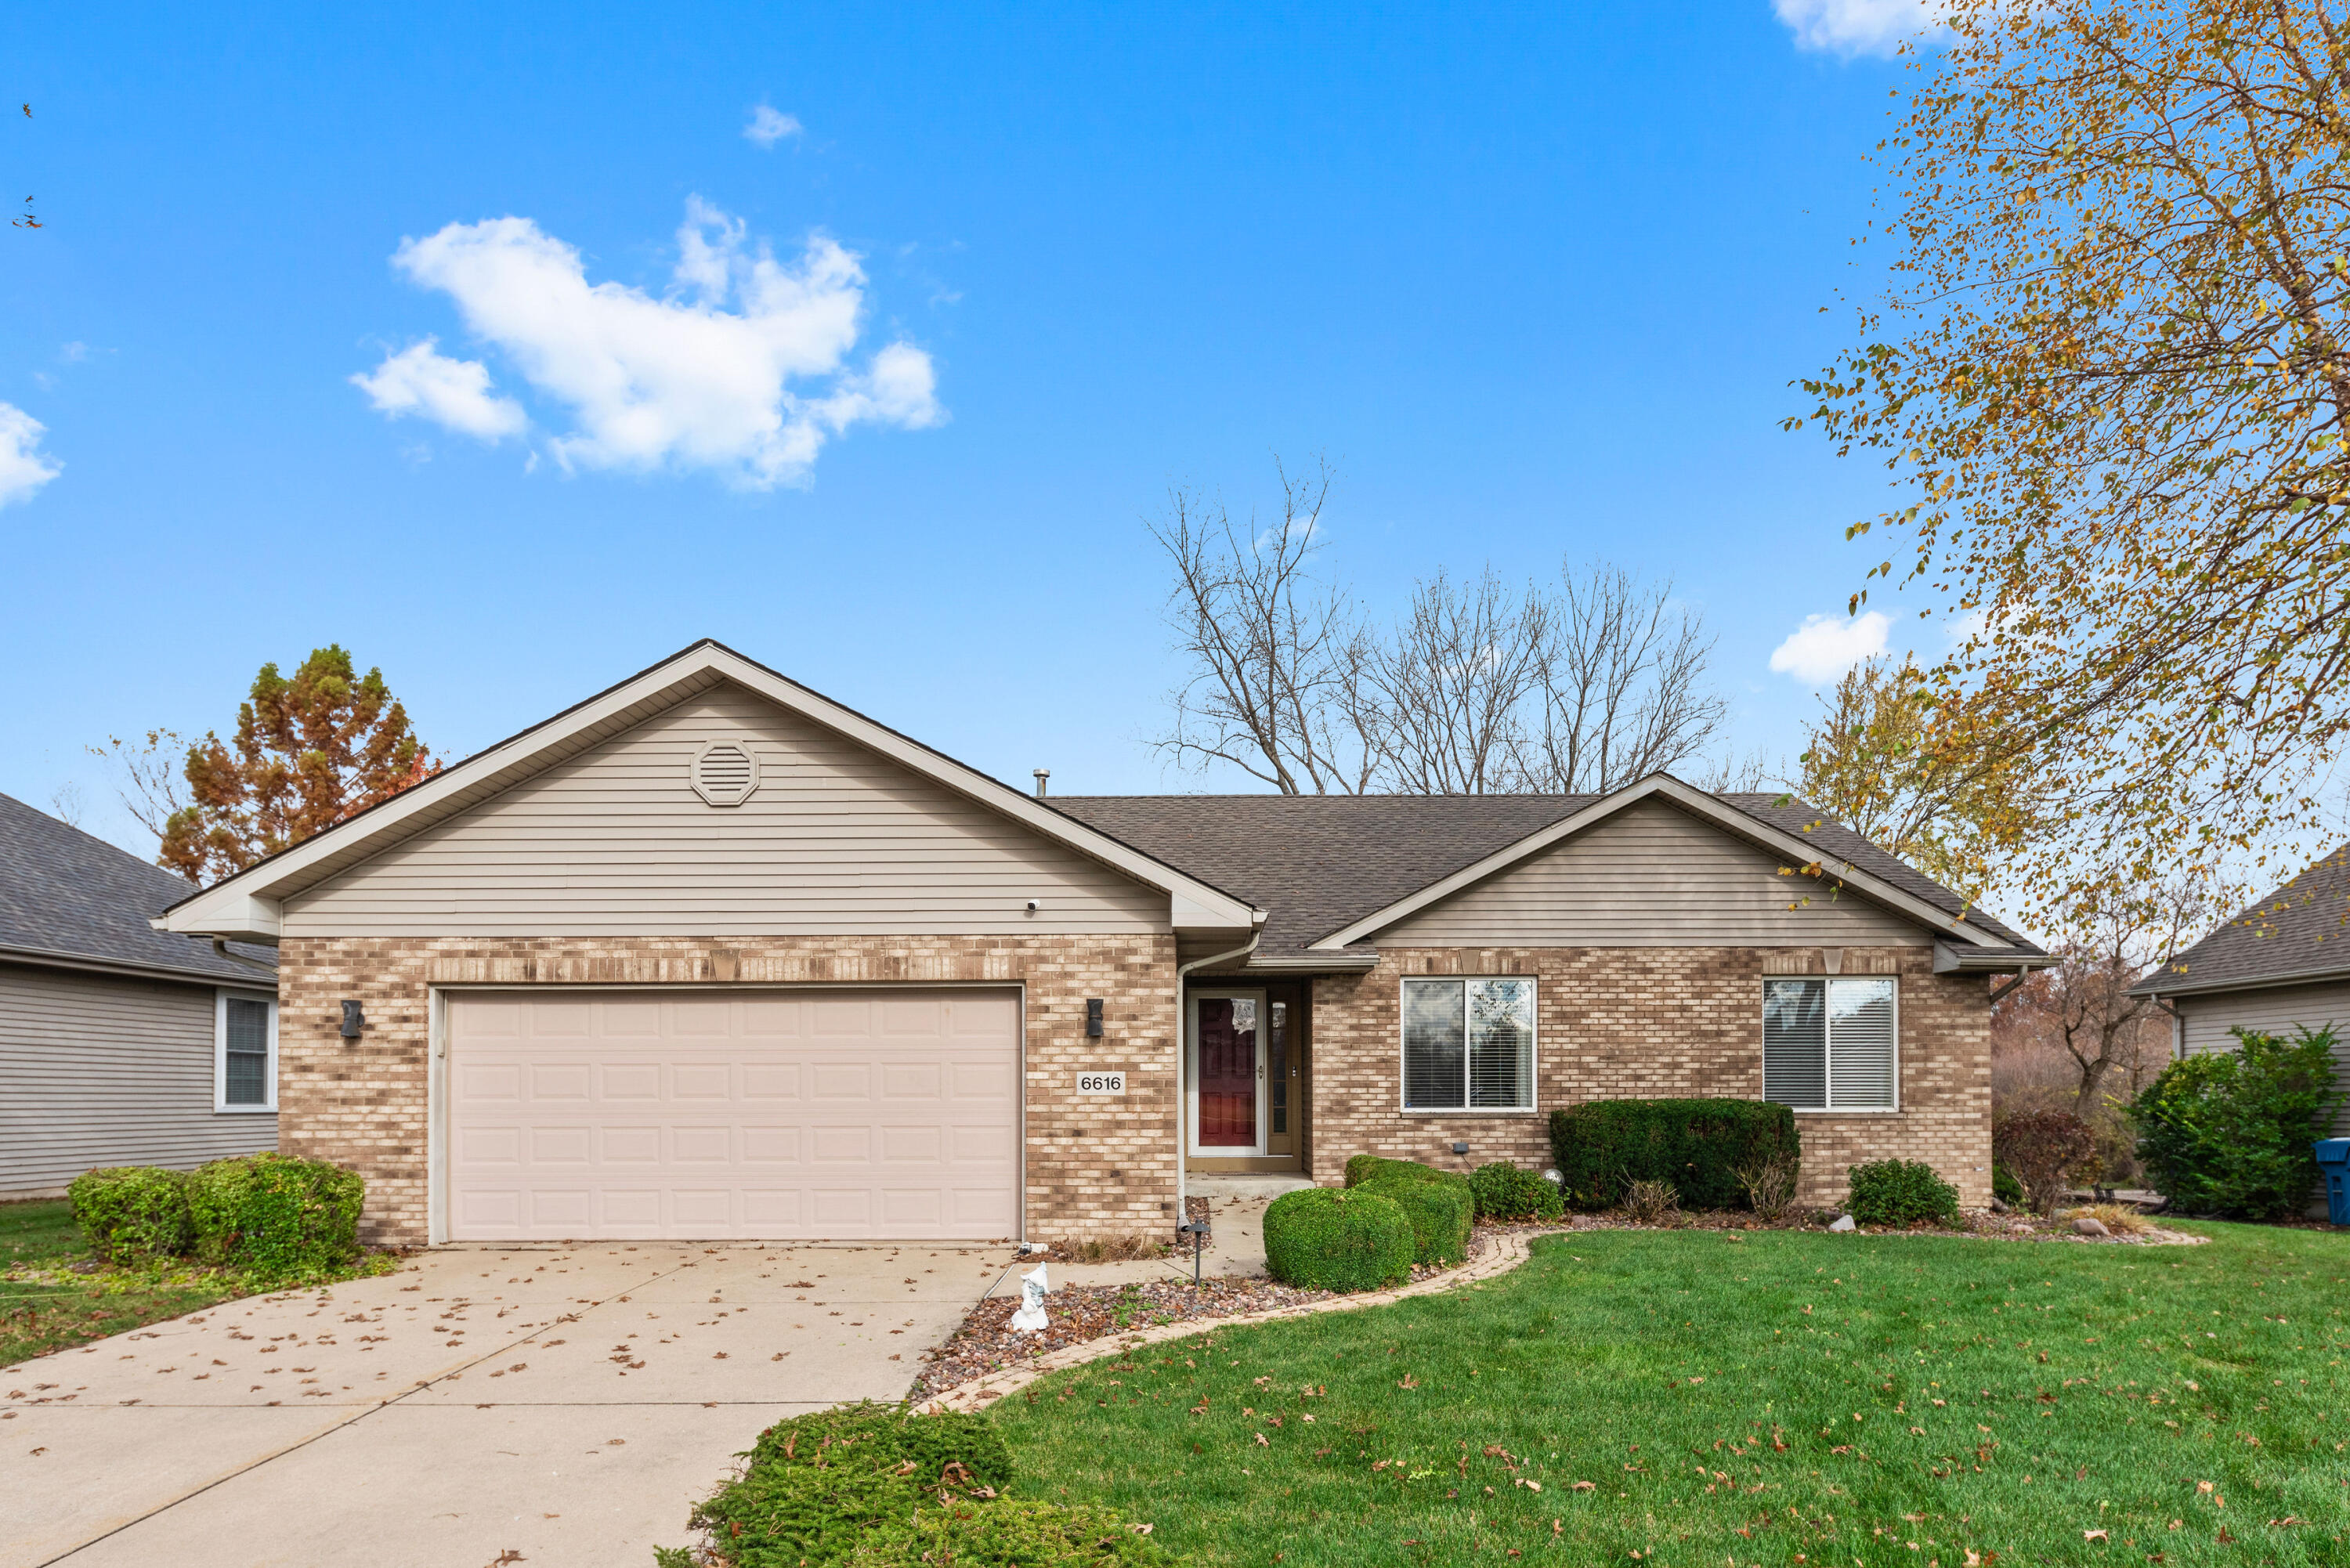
column 2086, row 1226
column 1843, row 1223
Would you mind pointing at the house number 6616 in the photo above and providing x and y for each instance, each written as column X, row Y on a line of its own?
column 1101, row 1083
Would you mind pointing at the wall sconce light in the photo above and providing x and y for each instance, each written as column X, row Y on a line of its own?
column 353, row 1019
column 1093, row 1018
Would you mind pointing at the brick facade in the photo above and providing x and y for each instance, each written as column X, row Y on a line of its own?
column 1098, row 1169
column 1653, row 1022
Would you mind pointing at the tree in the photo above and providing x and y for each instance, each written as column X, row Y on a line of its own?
column 1444, row 695
column 309, row 751
column 152, row 784
column 1624, row 691
column 2109, row 378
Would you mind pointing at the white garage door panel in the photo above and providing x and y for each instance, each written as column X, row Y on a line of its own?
column 762, row 1117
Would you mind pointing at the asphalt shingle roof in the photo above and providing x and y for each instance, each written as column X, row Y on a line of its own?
column 1317, row 863
column 66, row 894
column 2302, row 929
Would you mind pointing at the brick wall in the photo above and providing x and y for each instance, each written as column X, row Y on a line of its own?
column 1653, row 1022
column 1096, row 1168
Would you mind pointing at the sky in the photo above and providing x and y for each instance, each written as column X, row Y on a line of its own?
column 516, row 347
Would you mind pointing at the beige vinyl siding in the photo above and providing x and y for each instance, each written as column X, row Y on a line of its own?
column 837, row 840
column 97, row 1070
column 1650, row 877
column 2205, row 1023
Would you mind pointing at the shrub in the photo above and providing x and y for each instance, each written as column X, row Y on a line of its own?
column 133, row 1212
column 870, row 1436
column 275, row 1214
column 1504, row 1192
column 1698, row 1145
column 1769, row 1182
column 1650, row 1202
column 2229, row 1132
column 1438, row 1211
column 2004, row 1186
column 1328, row 1238
column 1901, row 1193
column 2045, row 1149
column 1364, row 1166
column 1007, row 1532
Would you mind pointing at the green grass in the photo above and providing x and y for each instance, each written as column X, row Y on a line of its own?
column 1784, row 1398
column 46, row 1305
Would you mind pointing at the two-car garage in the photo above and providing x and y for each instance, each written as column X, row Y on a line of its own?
column 735, row 1114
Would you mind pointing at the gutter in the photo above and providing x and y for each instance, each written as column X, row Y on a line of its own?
column 1183, row 1143
column 262, row 977
column 1949, row 960
column 2157, row 989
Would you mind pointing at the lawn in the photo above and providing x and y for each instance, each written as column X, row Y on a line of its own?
column 1696, row 1399
column 43, row 1307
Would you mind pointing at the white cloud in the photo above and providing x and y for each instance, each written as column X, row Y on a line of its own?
column 1824, row 646
column 713, row 375
column 24, row 467
column 1859, row 27
column 453, row 392
column 769, row 126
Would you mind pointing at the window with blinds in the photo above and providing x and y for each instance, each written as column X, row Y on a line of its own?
column 243, row 1063
column 1469, row 1044
column 1828, row 1043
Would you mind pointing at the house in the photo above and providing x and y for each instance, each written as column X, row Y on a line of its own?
column 2281, row 964
column 119, row 1044
column 711, row 955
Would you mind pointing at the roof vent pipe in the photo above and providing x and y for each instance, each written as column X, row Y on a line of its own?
column 1042, row 774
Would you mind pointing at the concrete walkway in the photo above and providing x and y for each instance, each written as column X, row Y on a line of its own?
column 566, row 1403
column 1235, row 1246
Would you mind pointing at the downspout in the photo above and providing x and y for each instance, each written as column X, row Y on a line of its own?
column 1182, row 1031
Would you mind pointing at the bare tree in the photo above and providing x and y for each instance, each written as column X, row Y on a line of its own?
column 69, row 802
column 1273, row 646
column 1446, row 696
column 1624, row 693
column 150, row 775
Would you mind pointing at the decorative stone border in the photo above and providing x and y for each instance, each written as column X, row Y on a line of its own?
column 1508, row 1250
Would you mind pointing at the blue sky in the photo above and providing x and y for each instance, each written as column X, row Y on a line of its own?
column 1535, row 279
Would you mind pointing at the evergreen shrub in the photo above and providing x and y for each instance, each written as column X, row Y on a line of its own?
column 133, row 1212
column 1338, row 1240
column 1901, row 1193
column 1010, row 1533
column 1698, row 1146
column 1504, row 1192
column 1440, row 1213
column 275, row 1214
column 2229, row 1132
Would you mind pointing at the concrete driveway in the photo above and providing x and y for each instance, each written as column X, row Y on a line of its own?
column 566, row 1403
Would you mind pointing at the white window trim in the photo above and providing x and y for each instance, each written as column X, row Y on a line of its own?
column 1827, row 1067
column 1533, row 1053
column 220, row 1053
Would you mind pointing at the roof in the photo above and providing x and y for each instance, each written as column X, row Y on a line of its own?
column 2299, row 932
column 67, row 898
column 1321, row 863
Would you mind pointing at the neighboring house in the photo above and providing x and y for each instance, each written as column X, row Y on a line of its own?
column 2281, row 964
column 119, row 1044
column 710, row 956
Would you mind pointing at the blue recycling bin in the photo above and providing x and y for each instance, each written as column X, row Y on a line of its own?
column 2334, row 1164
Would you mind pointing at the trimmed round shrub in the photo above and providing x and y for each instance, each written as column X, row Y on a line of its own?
column 1338, row 1240
column 275, row 1214
column 1901, row 1193
column 1005, row 1533
column 1504, row 1192
column 1438, row 1211
column 133, row 1212
column 1602, row 1146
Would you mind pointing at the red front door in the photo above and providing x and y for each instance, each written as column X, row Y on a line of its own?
column 1228, row 1046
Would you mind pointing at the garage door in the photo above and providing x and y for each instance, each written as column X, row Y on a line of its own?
column 772, row 1116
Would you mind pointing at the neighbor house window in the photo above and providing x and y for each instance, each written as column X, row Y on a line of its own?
column 245, row 1054
column 1468, row 1045
column 1828, row 1045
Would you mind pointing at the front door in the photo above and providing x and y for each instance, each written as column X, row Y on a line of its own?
column 1227, row 1074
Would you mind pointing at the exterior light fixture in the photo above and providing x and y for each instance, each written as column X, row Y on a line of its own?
column 353, row 1019
column 1093, row 1018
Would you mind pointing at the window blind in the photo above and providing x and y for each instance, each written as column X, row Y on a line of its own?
column 1467, row 1044
column 1432, row 1043
column 1501, row 1042
column 1860, row 1045
column 1830, row 1044
column 1795, row 1042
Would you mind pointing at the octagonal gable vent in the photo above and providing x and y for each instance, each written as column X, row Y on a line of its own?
column 724, row 773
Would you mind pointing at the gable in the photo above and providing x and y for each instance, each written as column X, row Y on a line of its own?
column 1650, row 875
column 836, row 839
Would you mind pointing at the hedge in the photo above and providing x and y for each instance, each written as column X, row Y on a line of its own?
column 1901, row 1193
column 1338, row 1240
column 1440, row 1213
column 1364, row 1166
column 1698, row 1145
column 1505, row 1191
column 274, row 1213
column 133, row 1212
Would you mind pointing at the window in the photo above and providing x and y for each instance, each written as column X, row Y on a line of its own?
column 1828, row 1045
column 245, row 1054
column 1468, row 1045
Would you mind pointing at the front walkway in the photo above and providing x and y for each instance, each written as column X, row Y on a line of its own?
column 566, row 1403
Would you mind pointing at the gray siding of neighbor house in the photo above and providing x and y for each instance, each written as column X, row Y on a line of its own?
column 2205, row 1021
column 103, row 1070
column 1652, row 877
column 837, row 841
